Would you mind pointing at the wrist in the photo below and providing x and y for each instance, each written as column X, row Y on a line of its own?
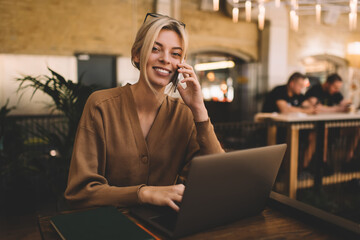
column 200, row 114
column 141, row 192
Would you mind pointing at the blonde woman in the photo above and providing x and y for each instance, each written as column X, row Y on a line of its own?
column 134, row 141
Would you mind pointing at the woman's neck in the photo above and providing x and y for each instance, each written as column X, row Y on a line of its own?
column 146, row 100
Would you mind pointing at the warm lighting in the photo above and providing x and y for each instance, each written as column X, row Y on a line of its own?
column 53, row 153
column 352, row 21
column 297, row 8
column 294, row 21
column 211, row 76
column 277, row 3
column 318, row 13
column 353, row 15
column 248, row 11
column 214, row 65
column 353, row 54
column 261, row 16
column 223, row 87
column 309, row 60
column 292, row 18
column 235, row 15
column 353, row 48
column 216, row 5
column 307, row 83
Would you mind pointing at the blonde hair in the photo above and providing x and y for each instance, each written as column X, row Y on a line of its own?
column 145, row 39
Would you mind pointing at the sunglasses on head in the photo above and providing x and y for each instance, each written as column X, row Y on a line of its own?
column 156, row 15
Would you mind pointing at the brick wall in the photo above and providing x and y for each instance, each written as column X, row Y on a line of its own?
column 63, row 27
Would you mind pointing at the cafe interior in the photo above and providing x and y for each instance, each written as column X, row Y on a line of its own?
column 240, row 50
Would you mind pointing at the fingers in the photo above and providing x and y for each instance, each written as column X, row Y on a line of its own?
column 178, row 191
column 165, row 195
column 184, row 66
column 180, row 188
column 190, row 80
column 173, row 206
column 187, row 70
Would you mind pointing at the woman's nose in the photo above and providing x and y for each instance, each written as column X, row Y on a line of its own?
column 165, row 57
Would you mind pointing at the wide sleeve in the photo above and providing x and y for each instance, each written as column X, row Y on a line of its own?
column 203, row 141
column 87, row 185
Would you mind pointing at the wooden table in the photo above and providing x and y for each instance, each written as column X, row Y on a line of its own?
column 283, row 218
column 298, row 121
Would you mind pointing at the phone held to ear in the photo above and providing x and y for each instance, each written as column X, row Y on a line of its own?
column 175, row 79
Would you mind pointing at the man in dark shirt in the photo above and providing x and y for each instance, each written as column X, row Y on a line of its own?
column 288, row 98
column 327, row 97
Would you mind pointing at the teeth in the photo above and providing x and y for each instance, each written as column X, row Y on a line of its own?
column 161, row 70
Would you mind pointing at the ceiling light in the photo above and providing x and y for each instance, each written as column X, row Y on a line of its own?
column 214, row 65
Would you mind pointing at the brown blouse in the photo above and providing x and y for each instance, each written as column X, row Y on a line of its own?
column 112, row 159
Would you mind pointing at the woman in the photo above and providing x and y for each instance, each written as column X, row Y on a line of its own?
column 132, row 142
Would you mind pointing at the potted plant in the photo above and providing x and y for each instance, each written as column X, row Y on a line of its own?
column 68, row 99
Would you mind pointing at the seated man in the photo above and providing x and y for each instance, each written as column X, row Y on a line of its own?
column 288, row 98
column 327, row 97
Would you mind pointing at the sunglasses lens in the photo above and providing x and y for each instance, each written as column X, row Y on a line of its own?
column 156, row 15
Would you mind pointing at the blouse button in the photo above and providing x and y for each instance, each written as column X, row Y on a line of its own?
column 144, row 159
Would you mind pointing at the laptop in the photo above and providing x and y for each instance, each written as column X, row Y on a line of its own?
column 220, row 189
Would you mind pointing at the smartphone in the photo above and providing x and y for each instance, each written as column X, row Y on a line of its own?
column 175, row 79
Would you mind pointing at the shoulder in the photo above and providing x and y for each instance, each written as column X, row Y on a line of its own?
column 107, row 100
column 280, row 92
column 101, row 96
column 279, row 88
column 339, row 96
column 314, row 89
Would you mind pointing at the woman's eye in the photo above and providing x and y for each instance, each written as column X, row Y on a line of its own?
column 155, row 49
column 177, row 54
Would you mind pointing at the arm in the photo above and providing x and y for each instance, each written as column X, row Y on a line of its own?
column 192, row 95
column 87, row 185
column 285, row 108
column 343, row 106
column 203, row 139
column 326, row 109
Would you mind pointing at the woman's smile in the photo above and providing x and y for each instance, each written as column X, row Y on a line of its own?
column 162, row 71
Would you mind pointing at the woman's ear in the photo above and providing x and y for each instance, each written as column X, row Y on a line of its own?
column 136, row 60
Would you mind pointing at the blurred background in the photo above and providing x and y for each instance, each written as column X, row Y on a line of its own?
column 54, row 53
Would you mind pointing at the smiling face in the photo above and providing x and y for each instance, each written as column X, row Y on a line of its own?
column 334, row 87
column 297, row 86
column 166, row 53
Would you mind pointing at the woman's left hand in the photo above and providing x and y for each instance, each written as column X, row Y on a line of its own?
column 192, row 95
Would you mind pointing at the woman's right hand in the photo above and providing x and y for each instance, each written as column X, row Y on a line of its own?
column 162, row 195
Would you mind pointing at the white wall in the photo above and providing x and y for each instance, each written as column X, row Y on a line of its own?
column 14, row 66
column 126, row 72
column 278, row 45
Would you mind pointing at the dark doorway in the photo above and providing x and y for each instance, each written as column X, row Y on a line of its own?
column 99, row 70
column 229, row 85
